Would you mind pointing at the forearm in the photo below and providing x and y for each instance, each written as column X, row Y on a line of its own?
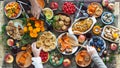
column 31, row 1
column 37, row 62
column 98, row 61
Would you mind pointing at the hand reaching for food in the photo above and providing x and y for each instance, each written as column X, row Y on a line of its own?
column 92, row 51
column 35, row 51
column 95, row 57
column 35, row 8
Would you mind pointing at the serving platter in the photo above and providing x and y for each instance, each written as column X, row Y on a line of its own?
column 112, row 27
column 87, row 30
column 28, row 60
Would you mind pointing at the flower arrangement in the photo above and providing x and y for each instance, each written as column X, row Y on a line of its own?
column 33, row 27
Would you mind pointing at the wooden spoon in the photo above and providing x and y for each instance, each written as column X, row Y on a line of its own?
column 74, row 43
column 71, row 41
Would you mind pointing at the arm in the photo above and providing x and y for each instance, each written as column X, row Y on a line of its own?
column 95, row 57
column 37, row 62
column 98, row 61
column 35, row 8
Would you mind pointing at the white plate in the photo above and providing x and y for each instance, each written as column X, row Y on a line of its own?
column 74, row 48
column 103, row 32
column 70, row 29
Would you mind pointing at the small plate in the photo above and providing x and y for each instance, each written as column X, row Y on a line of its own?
column 107, row 22
column 60, row 59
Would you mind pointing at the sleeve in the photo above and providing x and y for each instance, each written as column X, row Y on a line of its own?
column 37, row 62
column 98, row 61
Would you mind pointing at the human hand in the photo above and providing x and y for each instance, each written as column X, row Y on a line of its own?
column 91, row 50
column 35, row 8
column 35, row 51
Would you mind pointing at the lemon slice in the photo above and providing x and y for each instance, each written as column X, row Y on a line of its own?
column 115, row 35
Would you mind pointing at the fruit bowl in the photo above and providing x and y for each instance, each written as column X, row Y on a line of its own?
column 44, row 56
column 11, row 11
column 107, row 18
column 98, row 43
column 69, row 8
column 56, row 58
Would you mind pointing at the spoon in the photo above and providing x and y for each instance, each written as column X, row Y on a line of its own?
column 71, row 41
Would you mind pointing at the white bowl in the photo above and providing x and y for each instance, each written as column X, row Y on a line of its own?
column 74, row 48
column 48, row 9
column 17, row 14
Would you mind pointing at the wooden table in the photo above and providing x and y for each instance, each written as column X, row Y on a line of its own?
column 48, row 65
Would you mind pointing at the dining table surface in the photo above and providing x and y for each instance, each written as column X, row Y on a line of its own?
column 114, row 64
